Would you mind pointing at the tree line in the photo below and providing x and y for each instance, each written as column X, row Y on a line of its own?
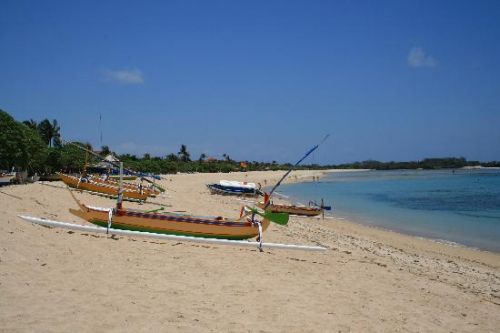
column 426, row 164
column 37, row 147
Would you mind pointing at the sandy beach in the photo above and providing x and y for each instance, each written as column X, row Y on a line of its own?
column 369, row 280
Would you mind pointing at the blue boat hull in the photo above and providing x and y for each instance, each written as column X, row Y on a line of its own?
column 231, row 190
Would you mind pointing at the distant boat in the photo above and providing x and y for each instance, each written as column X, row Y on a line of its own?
column 231, row 187
column 108, row 189
column 235, row 183
column 312, row 210
column 150, row 191
column 291, row 209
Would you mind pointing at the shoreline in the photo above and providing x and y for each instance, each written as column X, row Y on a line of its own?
column 493, row 256
column 390, row 237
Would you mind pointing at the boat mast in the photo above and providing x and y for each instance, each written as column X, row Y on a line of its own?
column 293, row 168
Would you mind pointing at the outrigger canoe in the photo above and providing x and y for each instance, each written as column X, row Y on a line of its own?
column 89, row 185
column 291, row 209
column 171, row 223
column 152, row 192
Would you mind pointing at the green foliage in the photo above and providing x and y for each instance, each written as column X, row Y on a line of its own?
column 184, row 155
column 54, row 163
column 35, row 152
column 49, row 132
column 105, row 151
column 36, row 147
column 172, row 158
column 72, row 158
column 31, row 124
column 428, row 163
column 20, row 146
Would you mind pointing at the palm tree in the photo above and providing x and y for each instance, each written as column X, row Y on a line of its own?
column 202, row 157
column 105, row 151
column 45, row 130
column 56, row 139
column 184, row 154
column 31, row 124
column 50, row 132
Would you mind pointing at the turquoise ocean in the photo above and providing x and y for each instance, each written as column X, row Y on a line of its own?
column 457, row 206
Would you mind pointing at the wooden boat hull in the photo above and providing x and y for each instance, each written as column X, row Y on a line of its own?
column 133, row 187
column 292, row 210
column 169, row 223
column 101, row 188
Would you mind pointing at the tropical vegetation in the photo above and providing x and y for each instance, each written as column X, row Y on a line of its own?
column 38, row 147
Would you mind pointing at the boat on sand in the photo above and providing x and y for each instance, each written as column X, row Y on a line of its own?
column 149, row 190
column 291, row 209
column 171, row 223
column 89, row 185
column 229, row 187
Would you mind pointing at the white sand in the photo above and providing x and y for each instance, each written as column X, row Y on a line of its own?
column 369, row 279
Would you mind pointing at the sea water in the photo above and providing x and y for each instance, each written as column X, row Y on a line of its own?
column 457, row 206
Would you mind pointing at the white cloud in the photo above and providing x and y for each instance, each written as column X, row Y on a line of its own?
column 418, row 58
column 124, row 76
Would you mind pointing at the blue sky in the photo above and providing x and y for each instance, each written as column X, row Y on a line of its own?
column 260, row 80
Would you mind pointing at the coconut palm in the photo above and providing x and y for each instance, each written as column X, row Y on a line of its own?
column 31, row 124
column 50, row 132
column 105, row 151
column 56, row 132
column 184, row 154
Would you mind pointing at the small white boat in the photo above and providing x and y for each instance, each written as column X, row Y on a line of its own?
column 234, row 183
